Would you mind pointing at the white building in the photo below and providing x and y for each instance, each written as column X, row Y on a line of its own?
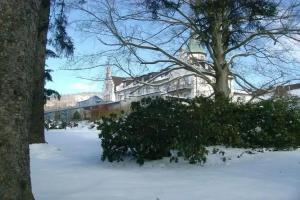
column 167, row 82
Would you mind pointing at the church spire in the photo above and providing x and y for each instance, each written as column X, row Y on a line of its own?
column 109, row 87
column 108, row 72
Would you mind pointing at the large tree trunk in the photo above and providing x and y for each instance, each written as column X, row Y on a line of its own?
column 222, row 89
column 37, row 124
column 18, row 35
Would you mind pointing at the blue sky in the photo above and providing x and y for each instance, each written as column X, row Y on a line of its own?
column 67, row 81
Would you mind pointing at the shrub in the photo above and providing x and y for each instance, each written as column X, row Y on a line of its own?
column 51, row 124
column 215, row 121
column 146, row 133
column 271, row 123
column 76, row 116
column 157, row 126
column 114, row 142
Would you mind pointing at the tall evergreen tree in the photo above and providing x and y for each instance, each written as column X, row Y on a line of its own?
column 63, row 45
column 37, row 123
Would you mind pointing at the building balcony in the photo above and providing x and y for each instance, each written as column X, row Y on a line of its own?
column 174, row 88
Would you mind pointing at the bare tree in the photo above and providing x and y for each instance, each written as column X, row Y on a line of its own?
column 240, row 37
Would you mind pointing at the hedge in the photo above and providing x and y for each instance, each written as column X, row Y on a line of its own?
column 157, row 126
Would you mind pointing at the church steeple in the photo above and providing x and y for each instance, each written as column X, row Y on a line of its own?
column 109, row 87
column 108, row 72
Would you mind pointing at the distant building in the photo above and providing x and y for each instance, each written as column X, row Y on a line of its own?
column 68, row 100
column 292, row 90
column 288, row 90
column 82, row 107
column 94, row 100
column 167, row 82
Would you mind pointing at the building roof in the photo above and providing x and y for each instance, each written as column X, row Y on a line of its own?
column 118, row 80
column 93, row 97
column 127, row 80
column 283, row 89
column 292, row 86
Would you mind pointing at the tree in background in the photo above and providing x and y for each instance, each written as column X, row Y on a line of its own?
column 48, row 93
column 19, row 22
column 76, row 116
column 62, row 46
column 57, row 116
column 245, row 40
column 37, row 128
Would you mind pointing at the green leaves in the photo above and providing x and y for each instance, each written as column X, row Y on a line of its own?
column 156, row 127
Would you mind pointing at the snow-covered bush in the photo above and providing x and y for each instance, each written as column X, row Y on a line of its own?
column 149, row 132
column 146, row 133
column 114, row 142
column 157, row 126
column 272, row 123
column 57, row 124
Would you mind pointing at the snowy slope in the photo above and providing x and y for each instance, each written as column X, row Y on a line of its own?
column 69, row 168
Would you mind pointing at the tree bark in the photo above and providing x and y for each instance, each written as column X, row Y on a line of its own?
column 18, row 37
column 221, row 67
column 37, row 124
column 222, row 89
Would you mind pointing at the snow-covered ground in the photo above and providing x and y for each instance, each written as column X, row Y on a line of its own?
column 69, row 168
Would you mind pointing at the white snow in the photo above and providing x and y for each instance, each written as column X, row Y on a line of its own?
column 69, row 168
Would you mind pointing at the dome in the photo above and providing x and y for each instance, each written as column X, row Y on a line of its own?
column 194, row 46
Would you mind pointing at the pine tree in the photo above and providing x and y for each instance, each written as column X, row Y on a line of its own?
column 63, row 45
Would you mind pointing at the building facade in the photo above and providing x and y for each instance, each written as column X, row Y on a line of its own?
column 67, row 113
column 173, row 81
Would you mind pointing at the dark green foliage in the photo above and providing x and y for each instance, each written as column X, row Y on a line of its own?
column 48, row 93
column 155, row 5
column 59, row 38
column 115, row 144
column 148, row 133
column 273, row 123
column 155, row 127
column 58, row 124
column 55, row 124
column 76, row 116
column 47, row 75
column 51, row 54
column 151, row 130
column 241, row 16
